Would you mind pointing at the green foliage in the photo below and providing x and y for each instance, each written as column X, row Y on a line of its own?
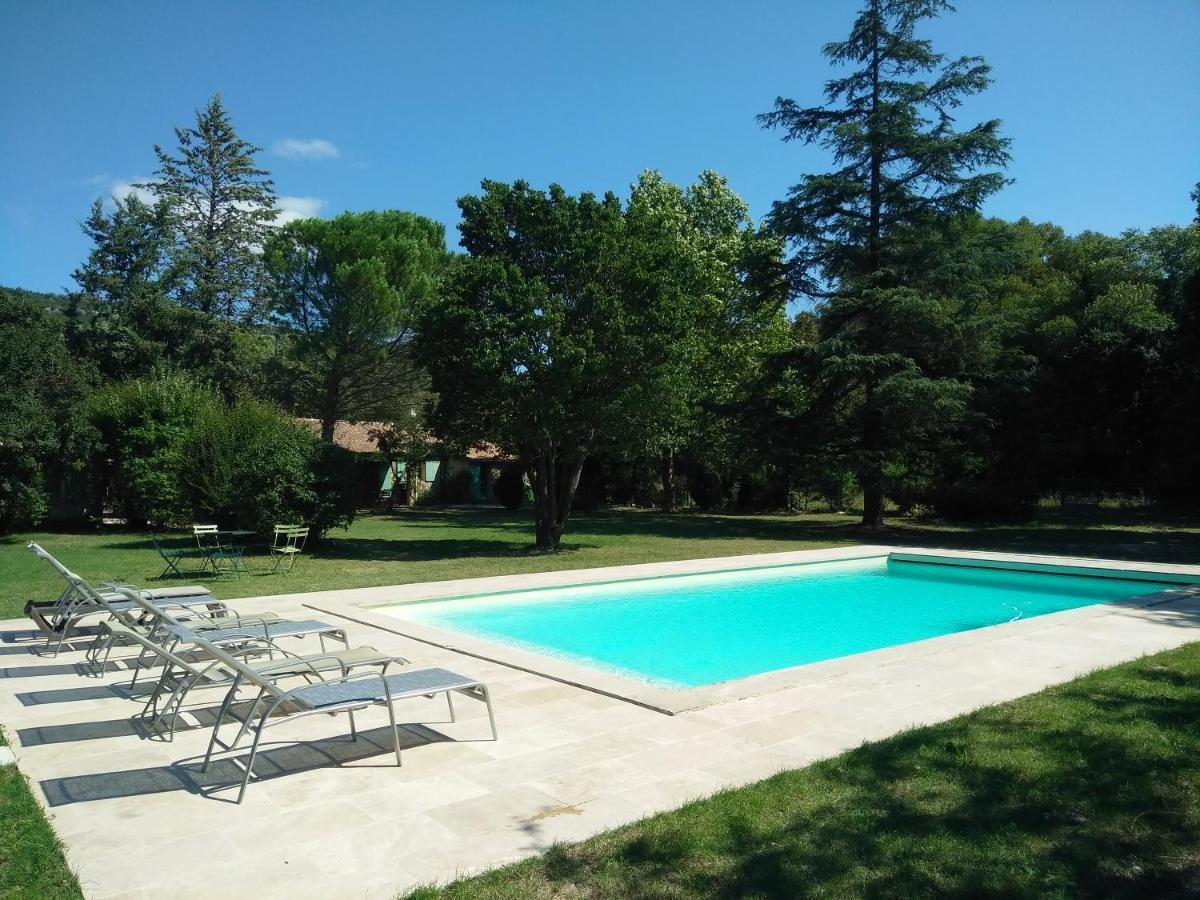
column 248, row 466
column 143, row 423
column 347, row 288
column 550, row 332
column 717, row 276
column 123, row 317
column 41, row 389
column 220, row 205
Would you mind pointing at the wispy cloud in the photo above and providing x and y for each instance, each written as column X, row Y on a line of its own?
column 293, row 208
column 122, row 188
column 306, row 148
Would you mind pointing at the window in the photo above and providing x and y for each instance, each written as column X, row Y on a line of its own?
column 431, row 470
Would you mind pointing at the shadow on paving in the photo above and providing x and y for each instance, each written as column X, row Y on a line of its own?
column 90, row 692
column 191, row 719
column 226, row 772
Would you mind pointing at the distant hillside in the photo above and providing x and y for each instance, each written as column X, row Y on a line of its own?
column 54, row 302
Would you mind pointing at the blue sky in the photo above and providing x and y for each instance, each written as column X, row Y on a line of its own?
column 406, row 105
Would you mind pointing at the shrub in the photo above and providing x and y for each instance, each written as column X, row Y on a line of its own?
column 182, row 455
column 142, row 424
column 250, row 466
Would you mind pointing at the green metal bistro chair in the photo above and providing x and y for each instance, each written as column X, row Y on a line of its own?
column 288, row 545
column 218, row 555
column 173, row 556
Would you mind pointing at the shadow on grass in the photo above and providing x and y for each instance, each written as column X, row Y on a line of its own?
column 1089, row 789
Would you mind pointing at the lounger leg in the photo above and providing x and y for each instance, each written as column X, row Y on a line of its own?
column 353, row 729
column 487, row 699
column 137, row 667
column 253, row 752
column 68, row 625
column 212, row 741
column 450, row 704
column 395, row 732
column 250, row 715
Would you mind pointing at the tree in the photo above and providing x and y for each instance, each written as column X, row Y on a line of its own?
column 901, row 168
column 121, row 283
column 347, row 287
column 221, row 205
column 123, row 319
column 708, row 262
column 41, row 389
column 545, row 335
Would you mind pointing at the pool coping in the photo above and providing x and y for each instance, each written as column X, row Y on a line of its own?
column 362, row 605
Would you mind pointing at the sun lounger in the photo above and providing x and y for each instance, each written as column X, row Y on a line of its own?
column 58, row 619
column 274, row 704
column 185, row 670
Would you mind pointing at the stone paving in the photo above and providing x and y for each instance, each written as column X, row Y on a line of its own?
column 335, row 818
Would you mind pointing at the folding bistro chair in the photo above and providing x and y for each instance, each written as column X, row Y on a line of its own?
column 208, row 540
column 288, row 545
column 173, row 556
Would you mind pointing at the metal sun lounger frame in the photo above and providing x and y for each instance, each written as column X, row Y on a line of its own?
column 57, row 619
column 346, row 694
column 184, row 671
column 171, row 631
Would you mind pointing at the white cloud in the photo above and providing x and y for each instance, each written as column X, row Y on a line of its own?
column 293, row 208
column 122, row 188
column 307, row 148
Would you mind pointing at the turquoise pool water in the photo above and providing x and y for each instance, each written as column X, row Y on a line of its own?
column 694, row 630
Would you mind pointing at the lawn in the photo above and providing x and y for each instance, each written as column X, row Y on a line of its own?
column 31, row 861
column 427, row 545
column 1089, row 789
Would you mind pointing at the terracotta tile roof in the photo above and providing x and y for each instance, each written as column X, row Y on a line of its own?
column 354, row 436
column 359, row 437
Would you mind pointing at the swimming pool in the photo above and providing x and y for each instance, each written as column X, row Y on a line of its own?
column 695, row 630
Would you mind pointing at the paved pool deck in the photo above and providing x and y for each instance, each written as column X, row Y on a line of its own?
column 336, row 818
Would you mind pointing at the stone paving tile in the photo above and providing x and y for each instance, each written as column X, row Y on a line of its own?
column 496, row 809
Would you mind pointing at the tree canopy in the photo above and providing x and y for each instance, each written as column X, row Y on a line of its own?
column 348, row 288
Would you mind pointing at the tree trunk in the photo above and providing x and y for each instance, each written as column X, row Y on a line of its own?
column 871, row 471
column 668, row 480
column 329, row 406
column 555, row 481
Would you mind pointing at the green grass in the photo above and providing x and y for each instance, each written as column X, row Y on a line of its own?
column 428, row 545
column 31, row 859
column 1088, row 789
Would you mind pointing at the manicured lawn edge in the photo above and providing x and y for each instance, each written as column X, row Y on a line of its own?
column 1091, row 788
column 31, row 858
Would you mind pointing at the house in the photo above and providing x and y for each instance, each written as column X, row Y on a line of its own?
column 439, row 478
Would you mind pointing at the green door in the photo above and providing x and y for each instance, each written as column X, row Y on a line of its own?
column 475, row 483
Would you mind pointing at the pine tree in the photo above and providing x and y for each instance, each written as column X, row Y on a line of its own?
column 901, row 166
column 222, row 204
